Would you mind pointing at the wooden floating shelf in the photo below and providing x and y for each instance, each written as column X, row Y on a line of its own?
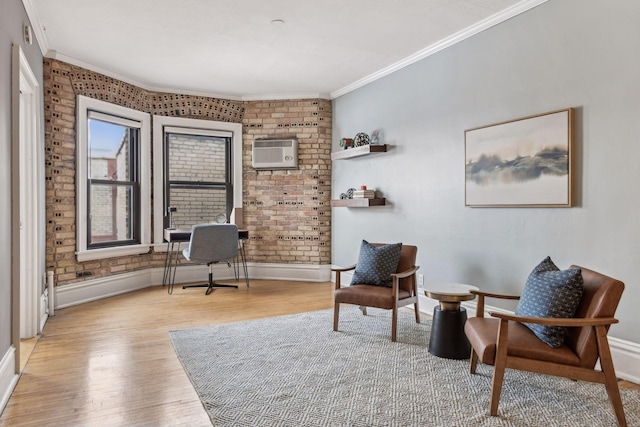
column 363, row 150
column 357, row 203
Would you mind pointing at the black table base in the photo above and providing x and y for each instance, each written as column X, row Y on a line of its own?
column 447, row 334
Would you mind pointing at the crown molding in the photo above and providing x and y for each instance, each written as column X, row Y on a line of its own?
column 464, row 34
column 36, row 25
column 74, row 61
column 278, row 96
column 87, row 66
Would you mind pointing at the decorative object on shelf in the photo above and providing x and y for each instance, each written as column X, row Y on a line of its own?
column 221, row 218
column 350, row 193
column 361, row 139
column 376, row 137
column 346, row 143
column 524, row 162
column 171, row 210
column 364, row 194
column 343, row 196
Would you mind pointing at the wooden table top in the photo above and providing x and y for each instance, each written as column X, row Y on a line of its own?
column 450, row 292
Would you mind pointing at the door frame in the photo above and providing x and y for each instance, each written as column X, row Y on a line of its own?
column 27, row 235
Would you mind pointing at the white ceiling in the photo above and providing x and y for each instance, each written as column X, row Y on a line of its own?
column 231, row 48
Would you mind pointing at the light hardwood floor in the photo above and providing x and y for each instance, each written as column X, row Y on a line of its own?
column 110, row 362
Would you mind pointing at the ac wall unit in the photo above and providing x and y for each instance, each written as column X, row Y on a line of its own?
column 275, row 153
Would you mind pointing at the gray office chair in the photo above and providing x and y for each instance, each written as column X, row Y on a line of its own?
column 210, row 244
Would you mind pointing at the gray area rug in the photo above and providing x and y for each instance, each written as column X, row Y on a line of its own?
column 296, row 371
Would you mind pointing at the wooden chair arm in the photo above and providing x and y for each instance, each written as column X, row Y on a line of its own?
column 556, row 321
column 406, row 273
column 340, row 269
column 482, row 295
column 395, row 276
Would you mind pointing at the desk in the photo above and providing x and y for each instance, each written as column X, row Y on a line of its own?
column 447, row 328
column 175, row 236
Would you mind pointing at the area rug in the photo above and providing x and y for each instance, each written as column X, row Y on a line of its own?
column 296, row 371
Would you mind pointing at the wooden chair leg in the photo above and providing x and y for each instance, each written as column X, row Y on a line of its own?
column 336, row 315
column 417, row 310
column 610, row 380
column 473, row 361
column 500, row 364
column 394, row 323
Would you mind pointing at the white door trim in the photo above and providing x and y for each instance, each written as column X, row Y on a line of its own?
column 27, row 187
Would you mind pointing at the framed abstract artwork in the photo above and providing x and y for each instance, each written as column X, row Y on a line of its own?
column 526, row 162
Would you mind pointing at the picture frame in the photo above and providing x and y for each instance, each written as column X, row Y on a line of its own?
column 525, row 162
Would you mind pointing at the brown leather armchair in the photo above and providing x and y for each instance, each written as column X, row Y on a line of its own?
column 504, row 342
column 404, row 290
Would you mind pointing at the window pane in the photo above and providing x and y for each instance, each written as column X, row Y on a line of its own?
column 197, row 206
column 110, row 213
column 108, row 151
column 197, row 158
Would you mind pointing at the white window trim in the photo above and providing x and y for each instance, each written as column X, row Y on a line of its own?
column 160, row 124
column 83, row 254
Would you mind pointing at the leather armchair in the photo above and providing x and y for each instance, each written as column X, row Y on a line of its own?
column 404, row 290
column 503, row 341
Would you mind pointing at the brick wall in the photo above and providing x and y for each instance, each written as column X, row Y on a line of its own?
column 286, row 212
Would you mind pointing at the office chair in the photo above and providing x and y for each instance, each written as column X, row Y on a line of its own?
column 210, row 244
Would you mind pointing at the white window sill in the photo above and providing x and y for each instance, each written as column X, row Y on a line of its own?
column 90, row 255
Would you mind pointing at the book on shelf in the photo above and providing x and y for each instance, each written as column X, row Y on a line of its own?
column 364, row 194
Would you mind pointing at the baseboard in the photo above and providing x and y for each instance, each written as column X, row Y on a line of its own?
column 44, row 309
column 8, row 376
column 288, row 272
column 297, row 272
column 103, row 287
column 626, row 359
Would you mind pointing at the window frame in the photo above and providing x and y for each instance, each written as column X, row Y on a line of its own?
column 160, row 123
column 84, row 251
column 133, row 183
column 226, row 185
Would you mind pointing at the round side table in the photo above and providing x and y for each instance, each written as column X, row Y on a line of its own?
column 447, row 328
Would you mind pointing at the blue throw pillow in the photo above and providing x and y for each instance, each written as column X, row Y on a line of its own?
column 551, row 292
column 376, row 264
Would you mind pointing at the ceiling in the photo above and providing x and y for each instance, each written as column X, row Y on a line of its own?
column 233, row 49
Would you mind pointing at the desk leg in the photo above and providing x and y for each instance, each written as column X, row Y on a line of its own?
column 173, row 265
column 244, row 263
column 236, row 267
column 167, row 266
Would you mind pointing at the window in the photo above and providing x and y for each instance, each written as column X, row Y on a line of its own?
column 113, row 186
column 198, row 175
column 201, row 173
column 113, row 183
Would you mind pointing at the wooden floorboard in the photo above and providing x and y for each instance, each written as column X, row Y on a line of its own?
column 111, row 363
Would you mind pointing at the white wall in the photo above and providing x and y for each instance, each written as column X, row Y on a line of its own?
column 564, row 53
